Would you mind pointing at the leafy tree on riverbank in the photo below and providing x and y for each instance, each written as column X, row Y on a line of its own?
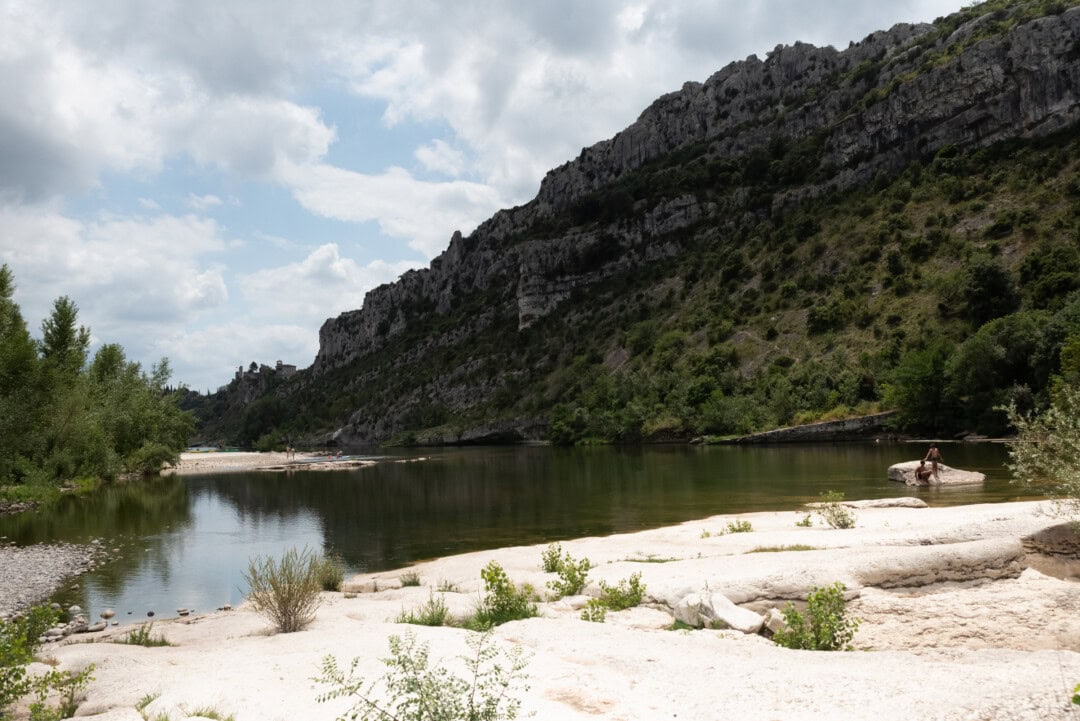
column 1046, row 453
column 62, row 419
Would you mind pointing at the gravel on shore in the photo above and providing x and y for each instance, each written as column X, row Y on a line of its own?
column 30, row 574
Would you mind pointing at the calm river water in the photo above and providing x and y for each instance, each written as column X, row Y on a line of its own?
column 184, row 542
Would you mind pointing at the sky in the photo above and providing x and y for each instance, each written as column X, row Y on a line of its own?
column 210, row 180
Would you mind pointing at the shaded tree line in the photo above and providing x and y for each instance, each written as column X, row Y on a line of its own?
column 66, row 416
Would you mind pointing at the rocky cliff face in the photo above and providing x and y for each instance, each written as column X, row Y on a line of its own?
column 897, row 96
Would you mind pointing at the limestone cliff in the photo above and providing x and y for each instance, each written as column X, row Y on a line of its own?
column 846, row 118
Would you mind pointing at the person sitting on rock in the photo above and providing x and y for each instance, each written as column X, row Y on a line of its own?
column 934, row 456
column 922, row 474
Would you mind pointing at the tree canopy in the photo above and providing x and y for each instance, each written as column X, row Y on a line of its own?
column 63, row 418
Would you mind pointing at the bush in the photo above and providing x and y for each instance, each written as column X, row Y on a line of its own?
column 824, row 627
column 551, row 558
column 409, row 578
column 1044, row 455
column 739, row 527
column 594, row 611
column 143, row 636
column 286, row 592
column 572, row 574
column 626, row 594
column 419, row 693
column 432, row 613
column 331, row 572
column 503, row 601
column 18, row 643
column 150, row 457
column 836, row 515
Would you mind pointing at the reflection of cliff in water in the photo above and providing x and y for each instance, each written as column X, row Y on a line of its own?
column 462, row 500
column 395, row 513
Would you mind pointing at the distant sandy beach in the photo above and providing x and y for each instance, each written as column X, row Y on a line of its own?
column 220, row 462
column 968, row 612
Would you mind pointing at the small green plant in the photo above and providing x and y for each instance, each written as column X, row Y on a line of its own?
column 18, row 643
column 572, row 576
column 145, row 701
column 446, row 586
column 551, row 558
column 594, row 611
column 706, row 533
column 780, row 549
column 503, row 600
column 652, row 558
column 409, row 578
column 432, row 613
column 739, row 527
column 1076, row 695
column 331, row 572
column 835, row 514
column 824, row 627
column 69, row 687
column 211, row 713
column 286, row 592
column 806, row 522
column 417, row 692
column 627, row 593
column 143, row 636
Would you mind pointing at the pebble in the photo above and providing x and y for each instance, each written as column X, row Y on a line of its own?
column 30, row 574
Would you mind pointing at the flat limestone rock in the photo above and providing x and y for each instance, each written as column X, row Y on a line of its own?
column 947, row 476
column 905, row 502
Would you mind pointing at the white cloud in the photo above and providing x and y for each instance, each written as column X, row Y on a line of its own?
column 321, row 285
column 439, row 157
column 254, row 137
column 423, row 213
column 132, row 278
column 202, row 202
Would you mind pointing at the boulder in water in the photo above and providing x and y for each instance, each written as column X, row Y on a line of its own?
column 946, row 476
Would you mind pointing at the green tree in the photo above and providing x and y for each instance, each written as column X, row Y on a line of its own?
column 989, row 290
column 917, row 388
column 1045, row 456
column 64, row 343
column 20, row 404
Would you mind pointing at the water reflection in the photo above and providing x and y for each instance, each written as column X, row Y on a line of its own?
column 186, row 541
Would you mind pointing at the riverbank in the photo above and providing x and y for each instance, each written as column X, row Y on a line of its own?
column 29, row 575
column 957, row 623
column 223, row 462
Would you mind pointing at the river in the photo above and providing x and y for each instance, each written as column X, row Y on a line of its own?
column 185, row 541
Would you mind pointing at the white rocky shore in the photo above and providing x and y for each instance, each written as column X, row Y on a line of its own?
column 958, row 622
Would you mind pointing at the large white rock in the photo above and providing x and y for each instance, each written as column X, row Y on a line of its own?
column 717, row 611
column 947, row 476
column 733, row 616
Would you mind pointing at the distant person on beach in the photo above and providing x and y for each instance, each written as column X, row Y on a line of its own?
column 934, row 456
column 922, row 474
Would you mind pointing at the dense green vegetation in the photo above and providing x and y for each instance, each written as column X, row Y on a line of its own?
column 944, row 290
column 66, row 417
